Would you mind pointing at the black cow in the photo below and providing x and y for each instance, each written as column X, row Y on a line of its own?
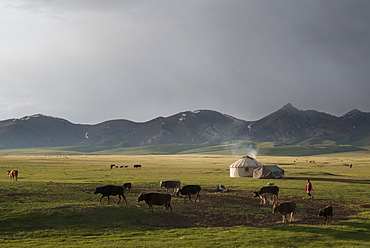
column 156, row 199
column 137, row 166
column 189, row 190
column 327, row 213
column 127, row 186
column 285, row 208
column 111, row 190
column 268, row 189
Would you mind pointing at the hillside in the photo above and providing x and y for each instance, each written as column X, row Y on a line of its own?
column 287, row 125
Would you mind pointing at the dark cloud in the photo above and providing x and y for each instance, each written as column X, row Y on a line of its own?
column 89, row 61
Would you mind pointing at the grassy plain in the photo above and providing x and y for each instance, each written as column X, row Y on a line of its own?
column 52, row 205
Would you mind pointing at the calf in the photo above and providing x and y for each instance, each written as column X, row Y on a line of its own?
column 189, row 190
column 13, row 174
column 269, row 189
column 111, row 190
column 156, row 199
column 327, row 213
column 127, row 186
column 268, row 198
column 174, row 185
column 285, row 208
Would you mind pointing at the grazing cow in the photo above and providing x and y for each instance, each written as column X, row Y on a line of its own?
column 13, row 174
column 285, row 208
column 137, row 166
column 175, row 185
column 127, row 186
column 327, row 213
column 112, row 166
column 268, row 198
column 269, row 189
column 111, row 190
column 156, row 199
column 189, row 190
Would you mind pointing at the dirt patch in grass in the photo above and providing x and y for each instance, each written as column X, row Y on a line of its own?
column 236, row 208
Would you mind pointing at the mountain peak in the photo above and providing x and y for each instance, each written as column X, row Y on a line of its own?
column 289, row 107
column 353, row 112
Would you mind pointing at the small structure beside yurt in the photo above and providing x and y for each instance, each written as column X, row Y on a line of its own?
column 244, row 167
column 268, row 172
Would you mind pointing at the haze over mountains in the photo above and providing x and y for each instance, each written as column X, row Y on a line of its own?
column 287, row 125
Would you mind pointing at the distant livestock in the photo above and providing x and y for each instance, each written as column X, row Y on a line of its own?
column 268, row 198
column 174, row 185
column 269, row 189
column 111, row 190
column 156, row 199
column 285, row 208
column 137, row 166
column 13, row 174
column 112, row 166
column 127, row 186
column 327, row 213
column 189, row 190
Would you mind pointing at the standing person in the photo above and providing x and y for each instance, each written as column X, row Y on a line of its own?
column 309, row 189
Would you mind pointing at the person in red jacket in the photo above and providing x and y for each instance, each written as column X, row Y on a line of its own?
column 309, row 189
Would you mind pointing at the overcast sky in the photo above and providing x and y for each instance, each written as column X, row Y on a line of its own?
column 89, row 61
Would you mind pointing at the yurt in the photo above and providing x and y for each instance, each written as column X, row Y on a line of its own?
column 244, row 167
column 268, row 172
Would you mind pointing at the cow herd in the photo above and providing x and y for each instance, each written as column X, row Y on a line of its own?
column 270, row 195
column 267, row 195
column 136, row 166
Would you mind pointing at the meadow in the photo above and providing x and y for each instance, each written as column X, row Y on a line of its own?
column 53, row 205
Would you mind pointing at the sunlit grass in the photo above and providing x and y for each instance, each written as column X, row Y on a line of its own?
column 53, row 205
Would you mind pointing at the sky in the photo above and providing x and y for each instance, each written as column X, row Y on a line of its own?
column 89, row 61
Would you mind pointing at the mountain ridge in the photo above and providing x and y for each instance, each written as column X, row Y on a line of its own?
column 188, row 127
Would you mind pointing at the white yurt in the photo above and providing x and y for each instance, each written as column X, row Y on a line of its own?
column 244, row 167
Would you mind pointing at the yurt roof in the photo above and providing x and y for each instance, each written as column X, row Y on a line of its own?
column 245, row 161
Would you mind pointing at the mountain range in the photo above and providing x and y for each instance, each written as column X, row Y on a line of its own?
column 287, row 125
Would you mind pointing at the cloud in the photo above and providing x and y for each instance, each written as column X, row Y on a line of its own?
column 89, row 61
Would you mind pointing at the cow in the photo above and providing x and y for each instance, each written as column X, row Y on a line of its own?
column 269, row 189
column 285, row 208
column 268, row 198
column 174, row 185
column 189, row 190
column 137, row 166
column 156, row 199
column 327, row 212
column 112, row 166
column 111, row 190
column 13, row 174
column 127, row 186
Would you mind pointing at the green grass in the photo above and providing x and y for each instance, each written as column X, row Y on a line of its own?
column 238, row 148
column 53, row 205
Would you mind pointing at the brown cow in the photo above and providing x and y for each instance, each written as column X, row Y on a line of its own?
column 327, row 213
column 13, row 174
column 156, row 199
